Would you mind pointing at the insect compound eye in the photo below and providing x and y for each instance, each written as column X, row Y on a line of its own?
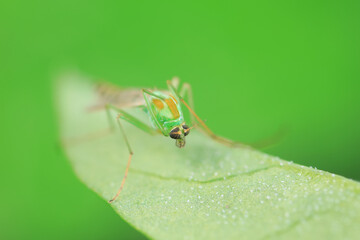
column 175, row 133
column 186, row 129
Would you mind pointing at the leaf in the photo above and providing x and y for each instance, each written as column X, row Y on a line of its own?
column 205, row 190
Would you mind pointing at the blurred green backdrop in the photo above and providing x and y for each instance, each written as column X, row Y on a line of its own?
column 253, row 65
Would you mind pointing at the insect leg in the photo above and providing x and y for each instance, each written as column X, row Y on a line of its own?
column 129, row 118
column 211, row 133
column 270, row 141
column 152, row 94
column 128, row 163
column 186, row 91
column 175, row 82
column 122, row 115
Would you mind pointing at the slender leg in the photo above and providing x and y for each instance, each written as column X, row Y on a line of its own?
column 210, row 133
column 152, row 94
column 122, row 115
column 267, row 142
column 129, row 118
column 186, row 91
column 128, row 163
column 175, row 81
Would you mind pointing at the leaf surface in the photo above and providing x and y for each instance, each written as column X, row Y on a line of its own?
column 205, row 190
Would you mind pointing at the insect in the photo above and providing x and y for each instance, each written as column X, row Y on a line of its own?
column 164, row 110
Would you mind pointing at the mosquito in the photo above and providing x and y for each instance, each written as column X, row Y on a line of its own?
column 164, row 110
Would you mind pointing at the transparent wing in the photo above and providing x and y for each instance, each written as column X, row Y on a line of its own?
column 116, row 96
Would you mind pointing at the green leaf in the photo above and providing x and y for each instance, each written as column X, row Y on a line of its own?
column 205, row 190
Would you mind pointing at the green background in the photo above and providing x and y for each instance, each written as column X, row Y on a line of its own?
column 254, row 66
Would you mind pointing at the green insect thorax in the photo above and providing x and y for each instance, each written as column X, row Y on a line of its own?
column 164, row 111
